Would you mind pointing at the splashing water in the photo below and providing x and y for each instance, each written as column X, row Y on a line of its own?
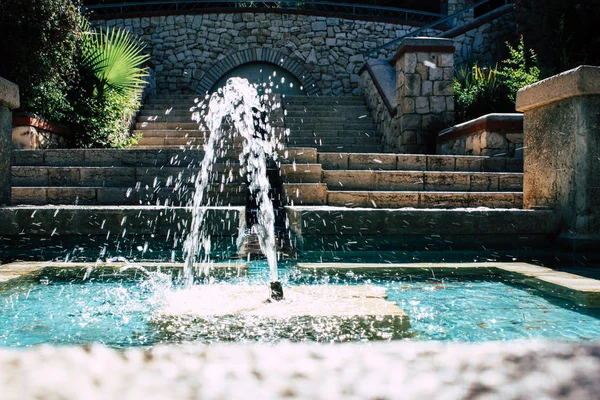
column 234, row 110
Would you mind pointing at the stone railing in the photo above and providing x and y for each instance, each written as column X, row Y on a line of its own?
column 499, row 135
column 562, row 143
column 9, row 100
column 424, row 94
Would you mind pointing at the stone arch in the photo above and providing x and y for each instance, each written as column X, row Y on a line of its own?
column 257, row 54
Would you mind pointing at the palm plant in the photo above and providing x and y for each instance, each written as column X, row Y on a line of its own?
column 114, row 59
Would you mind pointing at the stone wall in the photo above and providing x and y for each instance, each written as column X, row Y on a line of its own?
column 486, row 43
column 9, row 100
column 187, row 46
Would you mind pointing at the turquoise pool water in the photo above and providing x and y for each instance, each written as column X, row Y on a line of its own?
column 118, row 311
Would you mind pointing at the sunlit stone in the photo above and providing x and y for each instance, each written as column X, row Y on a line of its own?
column 322, row 313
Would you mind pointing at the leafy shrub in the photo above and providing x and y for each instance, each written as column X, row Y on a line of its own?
column 37, row 42
column 111, row 73
column 483, row 90
column 520, row 69
column 478, row 91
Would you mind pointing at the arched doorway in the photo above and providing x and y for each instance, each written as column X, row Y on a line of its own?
column 268, row 60
column 265, row 75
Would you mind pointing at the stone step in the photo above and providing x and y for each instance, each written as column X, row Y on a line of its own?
column 342, row 148
column 99, row 220
column 119, row 176
column 351, row 180
column 120, row 196
column 319, row 126
column 179, row 141
column 160, row 113
column 154, row 126
column 340, row 119
column 332, row 141
column 301, row 173
column 184, row 119
column 416, row 162
column 318, row 194
column 325, row 109
column 437, row 232
column 417, row 199
column 172, row 133
column 106, row 157
column 333, row 100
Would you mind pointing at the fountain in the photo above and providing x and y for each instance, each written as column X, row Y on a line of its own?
column 236, row 110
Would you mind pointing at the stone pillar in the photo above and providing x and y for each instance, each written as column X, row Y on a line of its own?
column 425, row 92
column 9, row 100
column 562, row 149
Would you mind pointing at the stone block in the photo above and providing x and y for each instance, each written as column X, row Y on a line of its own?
column 28, row 195
column 9, row 95
column 412, row 85
column 492, row 140
column 446, row 182
column 348, row 199
column 443, row 88
column 474, row 164
column 422, row 104
column 333, row 161
column 511, row 182
column 305, row 193
column 372, row 161
column 426, row 88
column 408, row 105
column 71, row 195
column 395, row 199
column 63, row 176
column 398, row 180
column 407, row 162
column 441, row 163
column 437, row 104
column 408, row 63
column 301, row 173
column 349, row 180
column 483, row 182
column 29, row 176
column 410, row 122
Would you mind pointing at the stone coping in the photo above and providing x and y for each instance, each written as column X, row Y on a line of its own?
column 581, row 81
column 580, row 290
column 383, row 75
column 27, row 120
column 305, row 371
column 424, row 45
column 18, row 270
column 9, row 94
column 505, row 122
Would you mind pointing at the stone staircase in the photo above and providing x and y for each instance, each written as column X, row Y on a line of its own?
column 379, row 180
column 330, row 124
column 337, row 187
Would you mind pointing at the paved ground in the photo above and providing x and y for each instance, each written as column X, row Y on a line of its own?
column 530, row 370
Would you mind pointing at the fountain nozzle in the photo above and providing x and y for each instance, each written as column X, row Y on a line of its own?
column 276, row 291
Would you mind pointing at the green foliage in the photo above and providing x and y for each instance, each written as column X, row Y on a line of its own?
column 478, row 91
column 37, row 42
column 112, row 82
column 520, row 69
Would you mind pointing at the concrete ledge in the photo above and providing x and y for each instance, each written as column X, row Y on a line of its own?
column 582, row 291
column 114, row 220
column 83, row 271
column 9, row 94
column 494, row 370
column 581, row 81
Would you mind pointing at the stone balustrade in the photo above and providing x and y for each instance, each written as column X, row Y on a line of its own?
column 424, row 92
column 499, row 135
column 562, row 143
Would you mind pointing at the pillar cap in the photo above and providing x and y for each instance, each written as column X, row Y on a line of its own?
column 581, row 81
column 9, row 94
column 424, row 45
